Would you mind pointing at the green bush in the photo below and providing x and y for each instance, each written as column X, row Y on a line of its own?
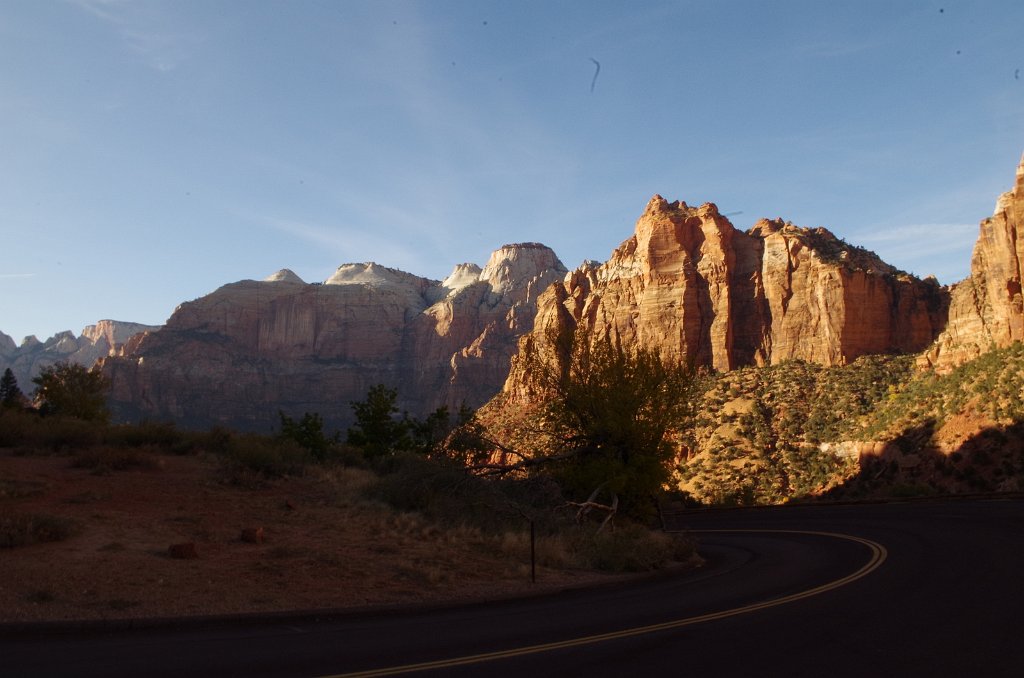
column 70, row 390
column 252, row 458
column 15, row 427
column 62, row 434
column 104, row 458
column 162, row 434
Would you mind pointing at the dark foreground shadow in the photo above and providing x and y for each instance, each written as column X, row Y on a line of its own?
column 912, row 464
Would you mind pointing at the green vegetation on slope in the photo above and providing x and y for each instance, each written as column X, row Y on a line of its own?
column 990, row 387
column 757, row 436
column 876, row 427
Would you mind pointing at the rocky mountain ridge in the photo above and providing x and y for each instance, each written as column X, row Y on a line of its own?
column 687, row 283
column 690, row 285
column 251, row 348
column 105, row 338
column 987, row 309
column 696, row 289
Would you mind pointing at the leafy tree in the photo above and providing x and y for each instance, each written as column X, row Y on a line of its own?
column 378, row 429
column 611, row 411
column 467, row 442
column 10, row 395
column 70, row 390
column 308, row 432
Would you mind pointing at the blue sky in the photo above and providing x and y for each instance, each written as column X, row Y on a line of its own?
column 153, row 151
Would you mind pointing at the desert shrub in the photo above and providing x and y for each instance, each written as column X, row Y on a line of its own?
column 503, row 508
column 217, row 440
column 439, row 491
column 15, row 427
column 344, row 454
column 630, row 548
column 551, row 550
column 26, row 429
column 446, row 493
column 104, row 458
column 251, row 458
column 161, row 434
column 308, row 433
column 23, row 529
column 907, row 490
column 60, row 434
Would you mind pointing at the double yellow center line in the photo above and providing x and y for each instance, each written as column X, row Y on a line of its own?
column 878, row 556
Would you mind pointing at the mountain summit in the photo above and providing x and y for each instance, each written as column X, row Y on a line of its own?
column 698, row 290
column 240, row 354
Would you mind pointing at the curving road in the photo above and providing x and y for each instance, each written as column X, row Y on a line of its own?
column 891, row 589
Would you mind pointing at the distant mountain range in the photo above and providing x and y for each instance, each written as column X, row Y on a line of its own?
column 94, row 342
column 686, row 282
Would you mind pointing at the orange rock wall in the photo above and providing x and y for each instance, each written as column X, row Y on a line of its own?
column 987, row 309
column 692, row 286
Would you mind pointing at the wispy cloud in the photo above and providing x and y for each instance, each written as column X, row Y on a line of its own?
column 345, row 244
column 144, row 28
column 6, row 276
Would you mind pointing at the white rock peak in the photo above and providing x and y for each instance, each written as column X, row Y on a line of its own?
column 462, row 276
column 519, row 263
column 284, row 275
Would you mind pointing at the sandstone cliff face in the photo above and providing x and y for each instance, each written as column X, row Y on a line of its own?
column 104, row 338
column 696, row 289
column 987, row 309
column 251, row 348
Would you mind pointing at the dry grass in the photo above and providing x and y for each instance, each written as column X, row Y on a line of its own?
column 326, row 544
column 106, row 459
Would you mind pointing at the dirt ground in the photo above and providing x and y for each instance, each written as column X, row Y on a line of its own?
column 324, row 546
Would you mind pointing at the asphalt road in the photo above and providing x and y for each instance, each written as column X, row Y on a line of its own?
column 930, row 589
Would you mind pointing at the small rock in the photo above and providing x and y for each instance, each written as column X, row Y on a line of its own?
column 252, row 535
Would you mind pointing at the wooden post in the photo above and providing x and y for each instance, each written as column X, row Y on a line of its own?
column 533, row 553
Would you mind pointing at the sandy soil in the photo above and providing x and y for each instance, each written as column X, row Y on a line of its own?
column 324, row 547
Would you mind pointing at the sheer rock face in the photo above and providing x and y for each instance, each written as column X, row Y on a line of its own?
column 106, row 337
column 987, row 309
column 251, row 348
column 696, row 289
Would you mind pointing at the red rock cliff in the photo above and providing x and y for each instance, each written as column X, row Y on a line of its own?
column 691, row 285
column 987, row 309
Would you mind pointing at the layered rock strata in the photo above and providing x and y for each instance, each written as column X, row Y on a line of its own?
column 251, row 348
column 987, row 309
column 696, row 289
column 106, row 337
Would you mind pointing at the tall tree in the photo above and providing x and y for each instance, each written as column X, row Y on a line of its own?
column 309, row 433
column 10, row 395
column 71, row 390
column 611, row 410
column 378, row 428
